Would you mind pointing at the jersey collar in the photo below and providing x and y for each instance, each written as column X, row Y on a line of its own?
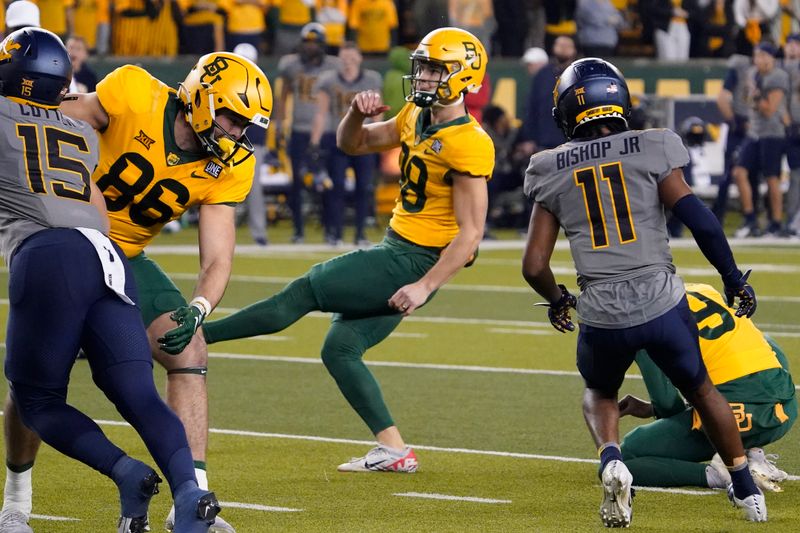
column 425, row 130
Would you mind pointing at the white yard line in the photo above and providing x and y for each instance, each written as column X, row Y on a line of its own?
column 258, row 507
column 781, row 245
column 55, row 518
column 434, row 496
column 468, row 451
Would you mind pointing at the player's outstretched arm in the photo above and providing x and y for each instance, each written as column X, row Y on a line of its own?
column 470, row 203
column 356, row 138
column 86, row 107
column 542, row 236
column 217, row 240
column 676, row 195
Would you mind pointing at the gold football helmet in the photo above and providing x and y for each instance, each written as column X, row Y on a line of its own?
column 225, row 81
column 447, row 63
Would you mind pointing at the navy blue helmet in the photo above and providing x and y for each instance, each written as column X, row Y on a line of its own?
column 34, row 67
column 590, row 89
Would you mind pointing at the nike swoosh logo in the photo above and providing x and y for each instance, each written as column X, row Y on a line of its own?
column 198, row 176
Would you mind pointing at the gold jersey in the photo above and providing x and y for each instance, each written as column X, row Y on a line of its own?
column 145, row 178
column 423, row 212
column 732, row 347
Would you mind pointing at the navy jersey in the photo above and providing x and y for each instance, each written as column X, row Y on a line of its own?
column 46, row 161
column 604, row 193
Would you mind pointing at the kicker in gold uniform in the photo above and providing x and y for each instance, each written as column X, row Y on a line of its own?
column 446, row 160
column 163, row 151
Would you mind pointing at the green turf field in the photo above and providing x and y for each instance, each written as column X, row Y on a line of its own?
column 464, row 379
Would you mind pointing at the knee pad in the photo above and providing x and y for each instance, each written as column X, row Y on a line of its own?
column 198, row 370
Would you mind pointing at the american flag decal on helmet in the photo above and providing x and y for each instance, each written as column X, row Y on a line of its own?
column 612, row 88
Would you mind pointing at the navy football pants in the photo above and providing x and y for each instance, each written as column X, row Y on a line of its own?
column 59, row 303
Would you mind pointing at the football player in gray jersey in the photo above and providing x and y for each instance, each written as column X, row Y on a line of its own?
column 71, row 288
column 791, row 64
column 762, row 152
column 608, row 187
column 334, row 92
column 299, row 73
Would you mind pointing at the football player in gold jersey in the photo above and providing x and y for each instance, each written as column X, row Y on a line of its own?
column 434, row 231
column 163, row 151
column 750, row 371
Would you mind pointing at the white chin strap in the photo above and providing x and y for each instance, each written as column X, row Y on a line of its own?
column 458, row 101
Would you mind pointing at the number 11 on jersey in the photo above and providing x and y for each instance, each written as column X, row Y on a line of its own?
column 611, row 173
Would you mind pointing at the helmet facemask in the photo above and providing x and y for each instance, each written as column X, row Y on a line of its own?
column 427, row 71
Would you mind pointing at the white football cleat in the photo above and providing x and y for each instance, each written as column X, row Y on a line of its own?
column 616, row 510
column 765, row 473
column 383, row 459
column 13, row 521
column 754, row 506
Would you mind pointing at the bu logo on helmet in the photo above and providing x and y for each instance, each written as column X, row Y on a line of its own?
column 213, row 69
column 472, row 57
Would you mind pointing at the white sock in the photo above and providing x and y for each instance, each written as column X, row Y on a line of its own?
column 202, row 478
column 18, row 492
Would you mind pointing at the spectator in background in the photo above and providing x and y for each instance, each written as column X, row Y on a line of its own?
column 539, row 130
column 598, row 23
column 733, row 106
column 791, row 64
column 393, row 94
column 255, row 203
column 762, row 151
column 670, row 23
column 203, row 27
column 429, row 15
column 476, row 101
column 477, row 17
column 246, row 23
column 21, row 14
column 715, row 35
column 334, row 91
column 145, row 28
column 512, row 27
column 299, row 72
column 534, row 59
column 292, row 15
column 332, row 14
column 93, row 23
column 373, row 25
column 755, row 20
column 508, row 171
column 84, row 79
column 559, row 16
column 57, row 16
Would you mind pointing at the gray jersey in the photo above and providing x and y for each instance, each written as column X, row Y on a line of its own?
column 792, row 68
column 46, row 161
column 604, row 193
column 740, row 64
column 341, row 92
column 301, row 78
column 759, row 86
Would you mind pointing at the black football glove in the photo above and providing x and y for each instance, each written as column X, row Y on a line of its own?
column 746, row 295
column 558, row 312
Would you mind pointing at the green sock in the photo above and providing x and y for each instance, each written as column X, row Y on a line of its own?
column 663, row 472
column 274, row 314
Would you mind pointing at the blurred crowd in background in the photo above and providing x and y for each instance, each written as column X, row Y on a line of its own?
column 320, row 45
